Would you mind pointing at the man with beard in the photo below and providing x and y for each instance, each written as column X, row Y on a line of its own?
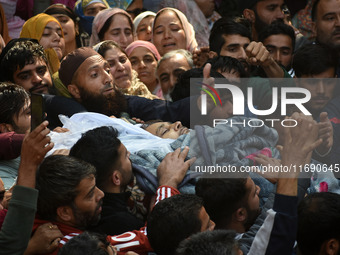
column 104, row 150
column 261, row 13
column 318, row 62
column 325, row 17
column 24, row 63
column 70, row 199
column 231, row 203
column 87, row 77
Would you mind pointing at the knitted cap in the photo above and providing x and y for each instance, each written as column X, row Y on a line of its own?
column 71, row 63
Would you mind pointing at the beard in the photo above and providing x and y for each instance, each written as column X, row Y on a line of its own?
column 260, row 24
column 113, row 104
column 252, row 216
column 85, row 220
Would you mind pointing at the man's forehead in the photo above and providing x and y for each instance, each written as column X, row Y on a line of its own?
column 32, row 64
column 93, row 61
column 173, row 62
column 279, row 40
column 325, row 6
column 270, row 2
column 235, row 39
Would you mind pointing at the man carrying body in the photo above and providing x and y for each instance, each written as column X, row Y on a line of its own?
column 87, row 76
column 69, row 198
column 24, row 63
column 101, row 148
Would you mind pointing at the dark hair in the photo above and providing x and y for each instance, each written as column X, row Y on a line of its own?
column 182, row 87
column 222, row 197
column 107, row 25
column 315, row 9
column 57, row 180
column 12, row 100
column 217, row 242
column 99, row 147
column 18, row 55
column 86, row 243
column 278, row 28
column 225, row 26
column 319, row 221
column 314, row 59
column 172, row 220
column 148, row 123
column 107, row 45
column 67, row 11
column 227, row 64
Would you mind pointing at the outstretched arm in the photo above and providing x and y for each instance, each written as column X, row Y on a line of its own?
column 16, row 230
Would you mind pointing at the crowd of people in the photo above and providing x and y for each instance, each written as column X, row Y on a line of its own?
column 126, row 122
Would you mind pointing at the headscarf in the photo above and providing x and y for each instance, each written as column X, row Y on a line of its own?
column 86, row 21
column 141, row 16
column 100, row 20
column 145, row 44
column 122, row 4
column 34, row 27
column 61, row 9
column 191, row 43
column 72, row 62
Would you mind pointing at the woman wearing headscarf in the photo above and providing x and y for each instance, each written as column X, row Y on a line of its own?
column 200, row 13
column 86, row 10
column 172, row 31
column 113, row 24
column 125, row 78
column 144, row 56
column 47, row 30
column 69, row 23
column 143, row 25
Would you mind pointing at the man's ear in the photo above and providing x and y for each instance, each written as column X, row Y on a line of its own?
column 212, row 54
column 314, row 29
column 65, row 213
column 331, row 246
column 249, row 15
column 116, row 178
column 5, row 127
column 241, row 214
column 74, row 91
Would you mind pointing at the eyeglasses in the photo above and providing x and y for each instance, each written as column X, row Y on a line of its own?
column 136, row 11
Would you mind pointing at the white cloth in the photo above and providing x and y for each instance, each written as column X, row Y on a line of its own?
column 132, row 136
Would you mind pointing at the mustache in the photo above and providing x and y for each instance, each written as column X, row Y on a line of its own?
column 36, row 86
column 100, row 203
column 336, row 31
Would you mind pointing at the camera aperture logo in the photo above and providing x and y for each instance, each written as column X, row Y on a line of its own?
column 213, row 90
column 239, row 104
